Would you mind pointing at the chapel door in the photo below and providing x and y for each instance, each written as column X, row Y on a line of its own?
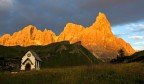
column 28, row 67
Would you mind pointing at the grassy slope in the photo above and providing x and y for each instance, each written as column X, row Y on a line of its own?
column 136, row 57
column 60, row 54
column 96, row 74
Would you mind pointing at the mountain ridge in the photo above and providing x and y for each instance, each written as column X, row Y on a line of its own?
column 97, row 38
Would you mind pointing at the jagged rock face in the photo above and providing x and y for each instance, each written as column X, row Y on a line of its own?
column 97, row 38
column 71, row 31
column 28, row 36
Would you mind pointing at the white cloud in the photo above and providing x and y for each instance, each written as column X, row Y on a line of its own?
column 136, row 37
column 136, row 27
column 139, row 43
column 132, row 27
column 141, row 25
column 138, row 47
column 6, row 4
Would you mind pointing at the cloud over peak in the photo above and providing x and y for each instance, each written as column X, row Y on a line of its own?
column 54, row 14
column 6, row 4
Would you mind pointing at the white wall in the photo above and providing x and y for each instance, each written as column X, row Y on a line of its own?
column 32, row 58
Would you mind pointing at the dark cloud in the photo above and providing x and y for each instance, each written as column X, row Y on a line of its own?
column 5, row 4
column 54, row 14
column 118, row 11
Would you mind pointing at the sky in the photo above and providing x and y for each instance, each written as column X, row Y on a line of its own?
column 126, row 16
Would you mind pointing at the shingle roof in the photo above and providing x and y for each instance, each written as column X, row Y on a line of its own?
column 35, row 55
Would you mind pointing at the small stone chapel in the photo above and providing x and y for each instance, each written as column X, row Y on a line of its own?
column 30, row 61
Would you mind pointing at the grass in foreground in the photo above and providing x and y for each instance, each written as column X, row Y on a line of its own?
column 132, row 73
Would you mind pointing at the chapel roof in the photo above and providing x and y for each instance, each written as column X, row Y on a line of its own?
column 35, row 55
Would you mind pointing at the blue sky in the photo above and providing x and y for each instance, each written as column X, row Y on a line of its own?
column 132, row 32
column 125, row 16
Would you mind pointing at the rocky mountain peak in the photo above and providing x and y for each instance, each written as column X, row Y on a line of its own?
column 102, row 25
column 72, row 26
column 29, row 29
column 69, row 31
column 45, row 30
column 29, row 35
column 101, row 16
column 98, row 38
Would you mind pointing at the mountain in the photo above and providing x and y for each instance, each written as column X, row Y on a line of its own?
column 59, row 54
column 98, row 38
column 65, row 54
column 28, row 36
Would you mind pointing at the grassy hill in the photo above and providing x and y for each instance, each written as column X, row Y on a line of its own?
column 136, row 57
column 65, row 63
column 60, row 54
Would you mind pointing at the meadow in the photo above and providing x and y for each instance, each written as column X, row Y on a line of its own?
column 129, row 73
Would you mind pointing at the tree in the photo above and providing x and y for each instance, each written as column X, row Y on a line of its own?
column 120, row 57
column 121, row 53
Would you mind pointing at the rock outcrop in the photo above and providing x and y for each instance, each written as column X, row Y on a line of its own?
column 97, row 38
column 28, row 36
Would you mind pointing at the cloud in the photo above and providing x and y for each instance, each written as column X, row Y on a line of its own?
column 89, row 4
column 5, row 4
column 133, row 27
column 137, row 27
column 139, row 43
column 54, row 14
column 141, row 47
column 119, row 11
column 139, row 30
column 136, row 37
column 127, row 15
column 133, row 33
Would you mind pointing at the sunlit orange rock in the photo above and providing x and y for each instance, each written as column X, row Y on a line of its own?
column 98, row 38
column 4, row 39
column 28, row 36
column 71, row 31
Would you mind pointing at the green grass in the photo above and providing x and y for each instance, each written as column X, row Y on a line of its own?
column 60, row 54
column 131, row 73
column 136, row 57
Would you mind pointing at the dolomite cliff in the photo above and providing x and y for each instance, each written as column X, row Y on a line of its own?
column 97, row 38
column 28, row 36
